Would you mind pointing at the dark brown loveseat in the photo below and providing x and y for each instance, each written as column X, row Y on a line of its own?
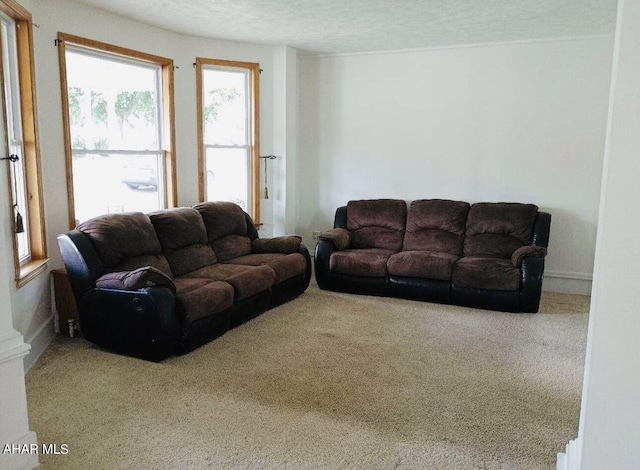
column 486, row 255
column 165, row 283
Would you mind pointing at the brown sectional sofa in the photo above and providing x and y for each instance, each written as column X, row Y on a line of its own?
column 487, row 255
column 153, row 285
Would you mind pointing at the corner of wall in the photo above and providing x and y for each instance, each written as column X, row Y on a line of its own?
column 285, row 109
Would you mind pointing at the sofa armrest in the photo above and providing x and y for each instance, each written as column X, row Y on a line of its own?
column 142, row 323
column 340, row 237
column 532, row 271
column 137, row 279
column 322, row 256
column 287, row 244
column 304, row 251
column 80, row 260
column 527, row 251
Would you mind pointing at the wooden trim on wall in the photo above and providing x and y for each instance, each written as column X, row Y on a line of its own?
column 229, row 63
column 255, row 147
column 31, row 148
column 64, row 93
column 169, row 136
column 200, row 130
column 168, row 111
column 113, row 49
column 254, row 84
column 14, row 10
column 31, row 144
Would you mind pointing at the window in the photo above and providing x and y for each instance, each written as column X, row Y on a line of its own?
column 19, row 117
column 117, row 107
column 228, row 130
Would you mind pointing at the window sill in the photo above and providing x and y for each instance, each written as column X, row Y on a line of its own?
column 31, row 270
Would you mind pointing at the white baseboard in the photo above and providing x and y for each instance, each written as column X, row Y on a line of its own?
column 39, row 341
column 570, row 459
column 567, row 282
column 20, row 460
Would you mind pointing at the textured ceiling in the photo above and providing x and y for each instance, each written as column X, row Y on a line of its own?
column 340, row 26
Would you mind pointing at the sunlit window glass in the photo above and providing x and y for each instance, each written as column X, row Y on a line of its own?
column 114, row 111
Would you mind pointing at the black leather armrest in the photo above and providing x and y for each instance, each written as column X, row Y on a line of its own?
column 532, row 270
column 324, row 248
column 302, row 249
column 532, row 264
column 541, row 229
column 340, row 219
column 80, row 260
column 252, row 231
column 142, row 323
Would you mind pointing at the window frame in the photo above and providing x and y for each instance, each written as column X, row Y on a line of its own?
column 167, row 146
column 25, row 272
column 253, row 70
column 14, row 134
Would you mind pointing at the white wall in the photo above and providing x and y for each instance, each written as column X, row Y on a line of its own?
column 610, row 415
column 520, row 122
column 32, row 311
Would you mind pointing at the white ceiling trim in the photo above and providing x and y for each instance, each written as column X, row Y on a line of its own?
column 522, row 42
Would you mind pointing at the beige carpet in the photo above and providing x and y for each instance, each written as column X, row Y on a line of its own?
column 327, row 381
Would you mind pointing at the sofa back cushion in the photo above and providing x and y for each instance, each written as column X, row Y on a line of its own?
column 436, row 225
column 498, row 229
column 125, row 242
column 183, row 239
column 377, row 223
column 226, row 228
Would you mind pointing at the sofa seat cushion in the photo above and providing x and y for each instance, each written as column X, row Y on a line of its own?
column 486, row 273
column 285, row 266
column 200, row 298
column 371, row 262
column 422, row 264
column 246, row 280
